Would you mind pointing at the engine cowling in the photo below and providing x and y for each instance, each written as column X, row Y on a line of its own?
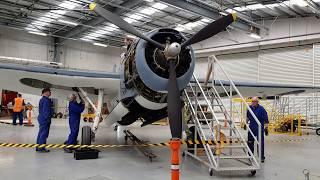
column 145, row 78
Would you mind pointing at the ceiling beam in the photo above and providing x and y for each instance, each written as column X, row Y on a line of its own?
column 314, row 7
column 99, row 20
column 185, row 5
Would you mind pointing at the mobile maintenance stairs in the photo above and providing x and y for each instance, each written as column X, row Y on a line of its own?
column 216, row 118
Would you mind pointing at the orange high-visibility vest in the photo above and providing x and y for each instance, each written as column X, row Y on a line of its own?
column 18, row 105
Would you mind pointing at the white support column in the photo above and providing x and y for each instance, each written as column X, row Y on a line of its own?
column 98, row 111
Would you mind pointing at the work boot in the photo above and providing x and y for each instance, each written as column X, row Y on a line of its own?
column 67, row 150
column 42, row 150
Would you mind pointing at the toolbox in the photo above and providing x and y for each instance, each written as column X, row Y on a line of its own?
column 86, row 153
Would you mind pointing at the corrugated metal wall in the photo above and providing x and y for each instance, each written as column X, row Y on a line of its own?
column 240, row 67
column 294, row 65
column 316, row 51
column 287, row 65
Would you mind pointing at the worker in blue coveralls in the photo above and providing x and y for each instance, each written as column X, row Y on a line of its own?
column 75, row 110
column 44, row 118
column 262, row 116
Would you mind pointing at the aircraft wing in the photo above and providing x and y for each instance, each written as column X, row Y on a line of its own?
column 31, row 79
column 249, row 89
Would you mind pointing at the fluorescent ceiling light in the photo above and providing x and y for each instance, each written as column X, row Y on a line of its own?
column 45, row 19
column 255, row 6
column 94, row 35
column 129, row 20
column 301, row 3
column 39, row 23
column 114, row 26
column 68, row 22
column 223, row 13
column 191, row 25
column 230, row 10
column 68, row 5
column 61, row 12
column 85, row 39
column 149, row 0
column 272, row 5
column 179, row 27
column 254, row 35
column 52, row 15
column 102, row 32
column 31, row 29
column 100, row 44
column 240, row 8
column 89, row 37
column 205, row 20
column 109, row 28
column 131, row 36
column 37, row 33
column 159, row 6
column 148, row 11
column 135, row 16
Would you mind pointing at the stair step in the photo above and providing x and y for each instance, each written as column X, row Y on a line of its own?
column 235, row 157
column 226, row 146
column 233, row 146
column 205, row 126
column 217, row 112
column 210, row 119
column 237, row 168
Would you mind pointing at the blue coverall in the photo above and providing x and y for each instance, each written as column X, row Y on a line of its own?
column 262, row 116
column 44, row 119
column 75, row 110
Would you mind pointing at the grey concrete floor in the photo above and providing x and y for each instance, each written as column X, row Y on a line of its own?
column 284, row 160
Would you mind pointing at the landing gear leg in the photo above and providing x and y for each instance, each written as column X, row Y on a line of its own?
column 96, row 109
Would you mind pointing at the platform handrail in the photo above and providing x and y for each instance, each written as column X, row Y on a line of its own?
column 216, row 61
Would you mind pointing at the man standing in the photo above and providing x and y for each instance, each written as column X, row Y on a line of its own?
column 18, row 106
column 75, row 110
column 262, row 116
column 44, row 118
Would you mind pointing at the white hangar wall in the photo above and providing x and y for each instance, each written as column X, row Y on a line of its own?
column 73, row 54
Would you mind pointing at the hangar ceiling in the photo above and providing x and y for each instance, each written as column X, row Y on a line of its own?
column 67, row 19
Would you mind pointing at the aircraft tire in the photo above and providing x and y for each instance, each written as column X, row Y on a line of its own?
column 86, row 135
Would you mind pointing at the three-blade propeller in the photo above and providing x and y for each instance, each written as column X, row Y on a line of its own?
column 171, row 51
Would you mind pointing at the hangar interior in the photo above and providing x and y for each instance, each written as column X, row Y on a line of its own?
column 271, row 50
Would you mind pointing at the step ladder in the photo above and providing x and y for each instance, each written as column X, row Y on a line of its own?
column 213, row 119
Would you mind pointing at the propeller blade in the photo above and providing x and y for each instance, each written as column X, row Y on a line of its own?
column 212, row 29
column 122, row 24
column 174, row 103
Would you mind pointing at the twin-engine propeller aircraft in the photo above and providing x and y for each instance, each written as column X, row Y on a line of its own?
column 157, row 67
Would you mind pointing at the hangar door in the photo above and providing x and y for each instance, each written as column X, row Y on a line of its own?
column 317, row 65
column 292, row 65
column 239, row 66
